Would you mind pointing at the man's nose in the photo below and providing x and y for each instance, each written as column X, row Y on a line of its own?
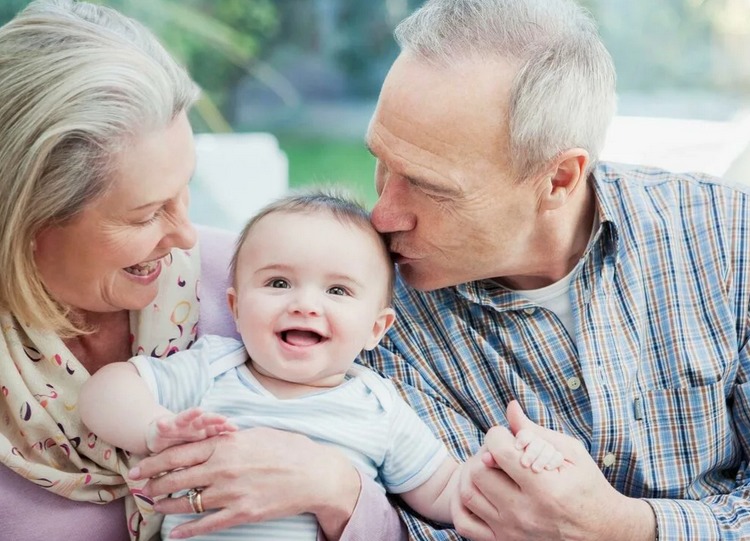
column 391, row 213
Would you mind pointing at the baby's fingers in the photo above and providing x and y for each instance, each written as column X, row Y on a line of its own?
column 524, row 437
column 188, row 417
column 207, row 420
column 532, row 451
column 555, row 462
column 546, row 455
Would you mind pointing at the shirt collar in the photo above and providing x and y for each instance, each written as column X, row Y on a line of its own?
column 489, row 293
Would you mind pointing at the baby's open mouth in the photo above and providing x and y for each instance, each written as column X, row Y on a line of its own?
column 143, row 269
column 296, row 337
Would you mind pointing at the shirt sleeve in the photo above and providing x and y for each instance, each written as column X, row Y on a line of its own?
column 179, row 381
column 414, row 453
column 374, row 518
column 432, row 406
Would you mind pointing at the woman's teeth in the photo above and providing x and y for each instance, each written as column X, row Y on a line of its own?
column 143, row 269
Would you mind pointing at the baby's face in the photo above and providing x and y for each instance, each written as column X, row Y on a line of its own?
column 310, row 295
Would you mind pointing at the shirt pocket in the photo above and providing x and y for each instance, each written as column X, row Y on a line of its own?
column 686, row 441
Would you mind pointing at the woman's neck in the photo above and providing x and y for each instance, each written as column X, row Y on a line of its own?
column 108, row 342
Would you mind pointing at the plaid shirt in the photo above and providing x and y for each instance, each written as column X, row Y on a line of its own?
column 655, row 380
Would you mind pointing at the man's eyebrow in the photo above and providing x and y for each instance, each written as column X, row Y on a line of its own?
column 438, row 189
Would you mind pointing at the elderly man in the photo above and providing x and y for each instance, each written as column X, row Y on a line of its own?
column 610, row 301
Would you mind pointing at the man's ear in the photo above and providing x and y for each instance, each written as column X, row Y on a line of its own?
column 384, row 321
column 565, row 174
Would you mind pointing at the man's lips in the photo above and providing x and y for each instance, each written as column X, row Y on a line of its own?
column 400, row 258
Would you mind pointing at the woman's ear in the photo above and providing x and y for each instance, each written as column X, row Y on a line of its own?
column 383, row 322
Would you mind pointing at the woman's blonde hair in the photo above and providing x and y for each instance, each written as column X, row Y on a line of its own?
column 77, row 83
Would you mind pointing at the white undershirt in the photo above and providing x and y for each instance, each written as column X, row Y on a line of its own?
column 555, row 297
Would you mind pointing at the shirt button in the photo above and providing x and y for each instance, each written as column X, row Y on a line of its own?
column 574, row 383
column 609, row 459
column 529, row 311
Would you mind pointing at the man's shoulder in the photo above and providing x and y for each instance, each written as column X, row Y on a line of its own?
column 632, row 177
column 635, row 192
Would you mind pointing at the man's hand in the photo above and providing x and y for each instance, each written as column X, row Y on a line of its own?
column 502, row 500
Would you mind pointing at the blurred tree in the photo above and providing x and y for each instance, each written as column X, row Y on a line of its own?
column 217, row 40
column 658, row 44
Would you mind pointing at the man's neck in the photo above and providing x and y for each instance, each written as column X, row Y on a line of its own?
column 562, row 244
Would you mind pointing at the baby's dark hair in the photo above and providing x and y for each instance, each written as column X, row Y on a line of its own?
column 334, row 202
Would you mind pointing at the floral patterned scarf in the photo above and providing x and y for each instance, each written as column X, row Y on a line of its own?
column 42, row 437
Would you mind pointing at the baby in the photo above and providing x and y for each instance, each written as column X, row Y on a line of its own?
column 311, row 288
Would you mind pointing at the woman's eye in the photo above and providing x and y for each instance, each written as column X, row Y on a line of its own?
column 337, row 290
column 151, row 219
column 279, row 283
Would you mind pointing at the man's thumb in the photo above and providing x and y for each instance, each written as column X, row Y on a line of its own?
column 517, row 418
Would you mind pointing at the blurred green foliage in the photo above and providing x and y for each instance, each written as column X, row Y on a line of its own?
column 322, row 161
column 217, row 40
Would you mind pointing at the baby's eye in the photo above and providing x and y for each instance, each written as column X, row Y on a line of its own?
column 338, row 290
column 279, row 283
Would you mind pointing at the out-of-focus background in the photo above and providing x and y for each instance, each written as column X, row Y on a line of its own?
column 289, row 87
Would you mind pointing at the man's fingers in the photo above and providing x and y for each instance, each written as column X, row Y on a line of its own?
column 470, row 526
column 480, row 489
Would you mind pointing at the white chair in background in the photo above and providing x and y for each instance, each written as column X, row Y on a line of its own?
column 236, row 174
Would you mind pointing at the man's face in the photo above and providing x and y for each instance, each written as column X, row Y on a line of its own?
column 447, row 201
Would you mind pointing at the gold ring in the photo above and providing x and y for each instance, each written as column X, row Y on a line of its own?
column 194, row 499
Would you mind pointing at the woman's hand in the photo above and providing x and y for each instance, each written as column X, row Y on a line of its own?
column 252, row 476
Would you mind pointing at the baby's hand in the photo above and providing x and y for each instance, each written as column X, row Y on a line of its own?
column 537, row 453
column 189, row 425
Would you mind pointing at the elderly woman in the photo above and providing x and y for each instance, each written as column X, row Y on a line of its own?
column 99, row 262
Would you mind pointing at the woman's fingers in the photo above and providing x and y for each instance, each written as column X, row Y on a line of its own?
column 174, row 458
column 210, row 522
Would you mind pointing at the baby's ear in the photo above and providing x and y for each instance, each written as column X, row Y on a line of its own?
column 232, row 301
column 383, row 322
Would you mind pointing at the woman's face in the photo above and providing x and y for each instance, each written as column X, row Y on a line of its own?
column 108, row 258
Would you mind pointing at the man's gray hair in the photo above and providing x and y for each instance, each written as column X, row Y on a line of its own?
column 563, row 95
